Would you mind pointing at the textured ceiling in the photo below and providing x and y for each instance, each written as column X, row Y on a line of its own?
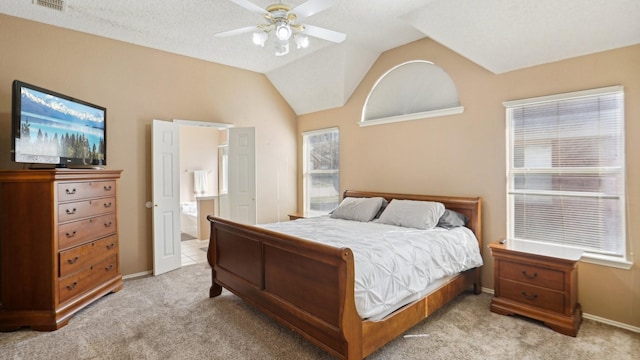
column 499, row 35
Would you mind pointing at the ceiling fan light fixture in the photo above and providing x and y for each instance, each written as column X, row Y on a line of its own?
column 282, row 22
column 283, row 31
column 282, row 48
column 260, row 37
column 302, row 41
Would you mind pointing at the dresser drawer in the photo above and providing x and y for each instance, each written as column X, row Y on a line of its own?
column 531, row 274
column 86, row 208
column 532, row 295
column 78, row 232
column 85, row 190
column 88, row 278
column 82, row 256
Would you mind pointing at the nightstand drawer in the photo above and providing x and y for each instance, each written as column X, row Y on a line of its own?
column 532, row 295
column 530, row 274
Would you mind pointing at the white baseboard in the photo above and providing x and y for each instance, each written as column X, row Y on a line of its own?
column 592, row 317
column 611, row 322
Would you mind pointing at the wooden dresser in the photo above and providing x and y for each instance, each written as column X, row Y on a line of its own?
column 534, row 281
column 58, row 244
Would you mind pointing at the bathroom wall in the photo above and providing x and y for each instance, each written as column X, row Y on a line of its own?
column 198, row 151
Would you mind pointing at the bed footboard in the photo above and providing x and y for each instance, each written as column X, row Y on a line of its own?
column 308, row 287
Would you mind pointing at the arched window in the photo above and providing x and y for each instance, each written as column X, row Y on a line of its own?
column 413, row 90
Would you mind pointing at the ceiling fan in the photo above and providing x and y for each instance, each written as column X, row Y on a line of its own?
column 282, row 20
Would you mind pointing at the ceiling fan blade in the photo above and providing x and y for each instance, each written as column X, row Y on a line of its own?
column 322, row 33
column 311, row 7
column 237, row 31
column 250, row 6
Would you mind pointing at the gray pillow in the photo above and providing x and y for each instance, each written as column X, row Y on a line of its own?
column 358, row 209
column 451, row 219
column 422, row 215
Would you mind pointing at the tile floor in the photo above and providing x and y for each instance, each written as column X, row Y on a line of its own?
column 194, row 251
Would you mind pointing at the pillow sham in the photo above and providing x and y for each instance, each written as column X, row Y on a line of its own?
column 422, row 215
column 451, row 219
column 358, row 209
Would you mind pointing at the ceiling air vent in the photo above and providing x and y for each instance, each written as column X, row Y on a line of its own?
column 59, row 5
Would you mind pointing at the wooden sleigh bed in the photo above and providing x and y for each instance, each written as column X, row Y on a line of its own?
column 309, row 287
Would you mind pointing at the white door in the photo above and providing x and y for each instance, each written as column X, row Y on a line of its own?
column 242, row 175
column 166, row 196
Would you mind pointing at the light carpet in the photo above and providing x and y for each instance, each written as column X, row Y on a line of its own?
column 171, row 317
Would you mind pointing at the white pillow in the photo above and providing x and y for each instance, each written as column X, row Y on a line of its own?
column 358, row 209
column 422, row 215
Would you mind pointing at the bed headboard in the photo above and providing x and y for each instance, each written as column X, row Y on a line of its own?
column 471, row 207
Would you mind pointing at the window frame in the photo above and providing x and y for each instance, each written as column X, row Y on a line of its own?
column 306, row 174
column 409, row 93
column 512, row 172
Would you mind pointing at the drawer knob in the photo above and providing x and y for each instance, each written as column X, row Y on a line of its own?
column 529, row 296
column 72, row 286
column 107, row 188
column 70, row 191
column 110, row 246
column 73, row 261
column 107, row 205
column 71, row 211
column 529, row 276
column 108, row 268
column 71, row 234
column 108, row 224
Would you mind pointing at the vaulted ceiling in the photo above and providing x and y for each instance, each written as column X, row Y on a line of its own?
column 499, row 35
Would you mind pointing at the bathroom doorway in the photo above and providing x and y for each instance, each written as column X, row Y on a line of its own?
column 198, row 188
column 168, row 171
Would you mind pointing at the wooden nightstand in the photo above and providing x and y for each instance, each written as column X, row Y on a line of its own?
column 296, row 216
column 530, row 281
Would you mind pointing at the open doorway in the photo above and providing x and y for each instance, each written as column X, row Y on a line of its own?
column 239, row 201
column 199, row 187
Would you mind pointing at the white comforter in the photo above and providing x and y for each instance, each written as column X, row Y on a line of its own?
column 393, row 265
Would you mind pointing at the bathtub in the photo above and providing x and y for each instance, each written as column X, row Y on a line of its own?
column 189, row 218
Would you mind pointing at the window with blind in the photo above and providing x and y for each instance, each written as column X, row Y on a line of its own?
column 321, row 164
column 413, row 90
column 566, row 171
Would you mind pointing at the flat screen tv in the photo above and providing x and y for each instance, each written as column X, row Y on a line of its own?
column 51, row 128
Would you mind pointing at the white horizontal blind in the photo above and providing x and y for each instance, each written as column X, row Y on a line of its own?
column 566, row 178
column 321, row 174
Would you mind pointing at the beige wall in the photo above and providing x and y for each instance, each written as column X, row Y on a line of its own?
column 136, row 85
column 464, row 154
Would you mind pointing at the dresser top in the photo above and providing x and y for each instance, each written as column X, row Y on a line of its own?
column 57, row 174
